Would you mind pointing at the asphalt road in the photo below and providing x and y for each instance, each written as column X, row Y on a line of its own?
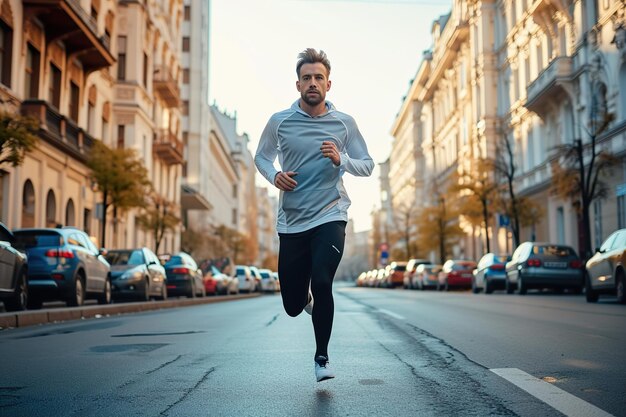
column 396, row 353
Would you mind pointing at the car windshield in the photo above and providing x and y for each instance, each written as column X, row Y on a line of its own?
column 27, row 240
column 125, row 257
column 459, row 266
column 400, row 268
column 175, row 260
column 241, row 271
column 553, row 250
column 265, row 274
column 501, row 259
column 432, row 269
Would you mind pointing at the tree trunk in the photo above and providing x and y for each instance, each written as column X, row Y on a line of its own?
column 486, row 220
column 104, row 219
column 585, row 250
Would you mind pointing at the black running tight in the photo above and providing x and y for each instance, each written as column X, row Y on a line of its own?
column 311, row 257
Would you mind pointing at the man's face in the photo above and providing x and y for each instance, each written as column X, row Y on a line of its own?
column 313, row 83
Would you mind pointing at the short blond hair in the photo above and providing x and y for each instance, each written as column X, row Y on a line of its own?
column 311, row 56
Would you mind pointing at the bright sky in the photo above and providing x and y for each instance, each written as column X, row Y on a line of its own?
column 374, row 46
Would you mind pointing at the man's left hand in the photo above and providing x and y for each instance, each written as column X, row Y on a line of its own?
column 329, row 150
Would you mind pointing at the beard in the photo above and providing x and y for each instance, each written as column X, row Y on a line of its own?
column 312, row 100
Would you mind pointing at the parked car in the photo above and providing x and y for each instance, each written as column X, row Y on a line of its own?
column 455, row 273
column 137, row 273
column 247, row 283
column 268, row 282
column 361, row 279
column 183, row 276
column 605, row 269
column 395, row 274
column 426, row 276
column 409, row 273
column 490, row 273
column 277, row 281
column 257, row 277
column 63, row 264
column 381, row 278
column 217, row 282
column 13, row 271
column 544, row 265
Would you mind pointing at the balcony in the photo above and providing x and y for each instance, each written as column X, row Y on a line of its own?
column 550, row 86
column 168, row 148
column 192, row 199
column 67, row 21
column 166, row 87
column 58, row 130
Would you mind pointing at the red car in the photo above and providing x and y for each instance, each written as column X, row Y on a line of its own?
column 396, row 274
column 456, row 273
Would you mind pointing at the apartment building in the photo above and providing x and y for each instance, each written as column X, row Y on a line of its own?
column 196, row 192
column 532, row 73
column 56, row 59
column 147, row 110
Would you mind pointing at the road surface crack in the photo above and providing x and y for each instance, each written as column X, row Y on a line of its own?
column 188, row 391
column 164, row 365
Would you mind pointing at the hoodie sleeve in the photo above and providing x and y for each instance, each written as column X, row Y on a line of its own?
column 355, row 159
column 266, row 151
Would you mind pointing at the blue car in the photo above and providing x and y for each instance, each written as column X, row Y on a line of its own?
column 63, row 264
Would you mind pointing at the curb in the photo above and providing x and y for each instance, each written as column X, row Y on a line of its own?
column 34, row 317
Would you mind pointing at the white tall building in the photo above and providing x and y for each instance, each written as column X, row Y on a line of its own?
column 196, row 189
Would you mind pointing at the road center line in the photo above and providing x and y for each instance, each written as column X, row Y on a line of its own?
column 555, row 397
column 391, row 313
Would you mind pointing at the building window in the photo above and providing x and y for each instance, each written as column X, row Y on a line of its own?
column 187, row 13
column 234, row 190
column 28, row 205
column 186, row 76
column 145, row 70
column 186, row 44
column 234, row 217
column 31, row 80
column 105, row 131
column 6, row 48
column 560, row 226
column 54, row 92
column 74, row 96
column 87, row 221
column 121, row 58
column 621, row 211
column 185, row 107
column 121, row 133
column 51, row 209
column 70, row 216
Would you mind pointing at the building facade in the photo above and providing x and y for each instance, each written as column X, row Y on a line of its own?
column 528, row 72
column 56, row 67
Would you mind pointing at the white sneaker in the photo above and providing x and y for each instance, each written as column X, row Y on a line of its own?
column 323, row 370
column 309, row 307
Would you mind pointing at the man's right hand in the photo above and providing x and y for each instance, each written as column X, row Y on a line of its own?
column 284, row 181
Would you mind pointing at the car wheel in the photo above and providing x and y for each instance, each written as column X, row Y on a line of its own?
column 619, row 287
column 78, row 297
column 163, row 292
column 590, row 294
column 446, row 287
column 34, row 303
column 105, row 297
column 521, row 287
column 475, row 289
column 192, row 291
column 488, row 286
column 145, row 295
column 19, row 300
column 509, row 286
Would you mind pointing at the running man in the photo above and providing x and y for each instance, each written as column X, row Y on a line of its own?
column 315, row 145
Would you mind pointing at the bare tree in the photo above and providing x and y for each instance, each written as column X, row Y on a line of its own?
column 520, row 210
column 578, row 174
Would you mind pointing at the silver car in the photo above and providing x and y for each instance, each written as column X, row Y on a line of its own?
column 247, row 283
column 544, row 265
column 605, row 269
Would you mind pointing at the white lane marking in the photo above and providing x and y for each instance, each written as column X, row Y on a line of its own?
column 558, row 399
column 391, row 313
